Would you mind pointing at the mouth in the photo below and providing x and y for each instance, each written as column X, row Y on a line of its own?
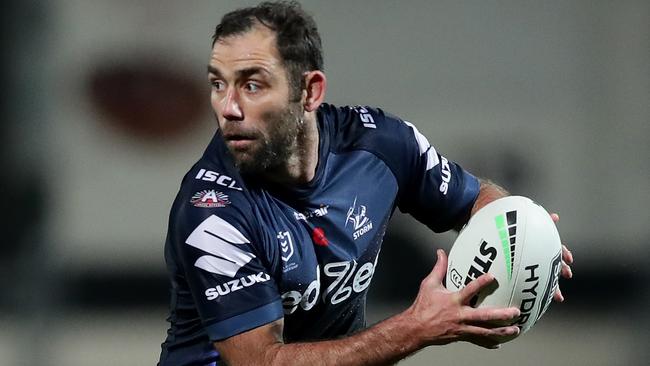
column 238, row 142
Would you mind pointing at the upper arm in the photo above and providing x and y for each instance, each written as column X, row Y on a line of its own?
column 439, row 192
column 225, row 262
column 254, row 347
column 436, row 191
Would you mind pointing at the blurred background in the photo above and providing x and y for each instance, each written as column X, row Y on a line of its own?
column 105, row 107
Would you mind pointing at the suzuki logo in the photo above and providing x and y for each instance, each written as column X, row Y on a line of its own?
column 219, row 238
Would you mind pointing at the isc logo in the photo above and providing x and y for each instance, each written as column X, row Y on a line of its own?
column 366, row 117
column 220, row 179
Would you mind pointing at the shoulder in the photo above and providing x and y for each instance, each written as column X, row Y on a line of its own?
column 368, row 128
column 396, row 142
column 212, row 193
column 214, row 225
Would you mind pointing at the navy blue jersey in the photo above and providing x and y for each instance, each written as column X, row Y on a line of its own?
column 240, row 256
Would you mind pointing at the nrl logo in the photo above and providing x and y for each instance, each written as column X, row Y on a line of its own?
column 286, row 248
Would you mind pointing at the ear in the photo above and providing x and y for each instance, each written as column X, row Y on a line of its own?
column 315, row 87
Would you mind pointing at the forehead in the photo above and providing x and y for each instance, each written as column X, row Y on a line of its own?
column 256, row 47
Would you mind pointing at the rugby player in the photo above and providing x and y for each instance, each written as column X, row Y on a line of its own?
column 275, row 233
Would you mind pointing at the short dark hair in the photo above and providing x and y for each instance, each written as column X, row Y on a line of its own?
column 297, row 38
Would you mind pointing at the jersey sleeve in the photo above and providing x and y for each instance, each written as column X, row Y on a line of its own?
column 436, row 191
column 224, row 263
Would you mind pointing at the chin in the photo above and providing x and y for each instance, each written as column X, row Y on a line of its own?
column 247, row 164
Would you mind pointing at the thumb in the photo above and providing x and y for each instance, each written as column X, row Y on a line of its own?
column 440, row 269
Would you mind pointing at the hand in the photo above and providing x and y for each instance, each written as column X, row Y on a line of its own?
column 567, row 261
column 442, row 316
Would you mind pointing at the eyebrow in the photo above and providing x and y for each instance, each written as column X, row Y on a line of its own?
column 241, row 74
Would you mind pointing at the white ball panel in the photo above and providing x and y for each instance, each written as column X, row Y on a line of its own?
column 514, row 239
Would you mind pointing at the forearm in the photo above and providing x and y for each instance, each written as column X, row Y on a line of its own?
column 488, row 192
column 436, row 317
column 383, row 344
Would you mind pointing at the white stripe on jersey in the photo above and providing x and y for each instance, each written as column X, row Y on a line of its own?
column 425, row 147
column 216, row 236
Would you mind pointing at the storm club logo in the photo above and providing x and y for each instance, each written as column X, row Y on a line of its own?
column 357, row 217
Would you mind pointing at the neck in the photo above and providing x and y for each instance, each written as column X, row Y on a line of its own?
column 300, row 168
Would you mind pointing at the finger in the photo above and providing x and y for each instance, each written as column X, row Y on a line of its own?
column 555, row 217
column 490, row 314
column 474, row 287
column 567, row 256
column 440, row 269
column 557, row 296
column 566, row 271
column 477, row 332
column 495, row 341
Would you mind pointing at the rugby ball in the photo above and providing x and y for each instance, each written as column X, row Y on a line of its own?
column 516, row 240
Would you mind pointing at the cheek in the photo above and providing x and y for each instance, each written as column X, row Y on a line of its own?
column 257, row 111
column 216, row 110
column 215, row 102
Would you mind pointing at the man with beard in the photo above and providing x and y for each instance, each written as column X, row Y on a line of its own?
column 274, row 236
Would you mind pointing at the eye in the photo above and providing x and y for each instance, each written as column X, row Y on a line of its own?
column 252, row 87
column 217, row 85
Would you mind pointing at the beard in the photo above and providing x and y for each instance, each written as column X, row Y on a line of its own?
column 272, row 151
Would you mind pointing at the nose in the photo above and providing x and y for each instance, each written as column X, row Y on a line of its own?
column 231, row 109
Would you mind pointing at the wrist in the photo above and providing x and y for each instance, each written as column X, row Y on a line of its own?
column 409, row 330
